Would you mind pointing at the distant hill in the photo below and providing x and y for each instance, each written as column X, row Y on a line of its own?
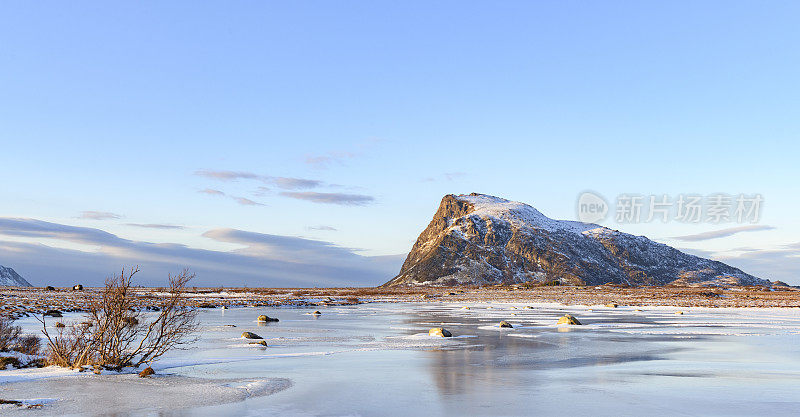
column 479, row 239
column 10, row 278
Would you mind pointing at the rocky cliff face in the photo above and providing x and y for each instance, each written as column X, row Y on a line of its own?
column 479, row 239
column 9, row 277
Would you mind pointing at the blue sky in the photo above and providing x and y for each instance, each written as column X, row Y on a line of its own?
column 382, row 107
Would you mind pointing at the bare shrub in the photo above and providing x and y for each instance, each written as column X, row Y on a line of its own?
column 118, row 335
column 29, row 345
column 9, row 334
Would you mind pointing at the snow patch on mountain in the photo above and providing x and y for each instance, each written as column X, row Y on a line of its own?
column 10, row 278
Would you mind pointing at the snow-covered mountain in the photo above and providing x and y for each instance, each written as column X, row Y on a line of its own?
column 479, row 239
column 9, row 277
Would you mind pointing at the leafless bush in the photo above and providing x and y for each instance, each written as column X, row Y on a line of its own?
column 29, row 345
column 116, row 335
column 9, row 334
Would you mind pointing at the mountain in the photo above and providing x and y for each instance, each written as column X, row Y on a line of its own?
column 478, row 239
column 10, row 278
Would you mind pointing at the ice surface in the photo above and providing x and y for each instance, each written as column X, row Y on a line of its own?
column 377, row 359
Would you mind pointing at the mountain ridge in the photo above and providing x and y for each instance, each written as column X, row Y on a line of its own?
column 478, row 239
column 10, row 278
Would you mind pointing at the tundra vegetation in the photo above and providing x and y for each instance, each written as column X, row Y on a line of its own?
column 114, row 334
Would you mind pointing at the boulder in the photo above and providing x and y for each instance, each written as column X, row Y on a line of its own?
column 612, row 305
column 505, row 324
column 52, row 313
column 59, row 325
column 568, row 319
column 316, row 313
column 50, row 288
column 260, row 342
column 249, row 335
column 78, row 287
column 265, row 318
column 440, row 332
column 146, row 372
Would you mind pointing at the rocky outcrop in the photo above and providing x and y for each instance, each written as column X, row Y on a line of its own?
column 478, row 239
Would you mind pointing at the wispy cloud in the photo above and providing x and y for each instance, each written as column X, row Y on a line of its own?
column 99, row 215
column 246, row 201
column 340, row 157
column 326, row 160
column 322, row 228
column 227, row 175
column 157, row 226
column 285, row 183
column 331, row 198
column 209, row 191
column 716, row 234
column 288, row 183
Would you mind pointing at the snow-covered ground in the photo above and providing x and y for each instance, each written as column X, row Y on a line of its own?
column 377, row 359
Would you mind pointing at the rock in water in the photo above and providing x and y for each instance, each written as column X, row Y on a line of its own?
column 612, row 305
column 439, row 331
column 478, row 239
column 505, row 324
column 265, row 318
column 261, row 342
column 249, row 335
column 146, row 372
column 10, row 278
column 568, row 319
column 316, row 313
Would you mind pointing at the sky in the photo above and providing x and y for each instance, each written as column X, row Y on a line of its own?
column 309, row 143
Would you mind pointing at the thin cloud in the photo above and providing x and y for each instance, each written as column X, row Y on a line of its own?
column 323, row 228
column 716, row 234
column 99, row 215
column 331, row 198
column 210, row 191
column 288, row 183
column 157, row 226
column 326, row 160
column 246, row 201
column 227, row 175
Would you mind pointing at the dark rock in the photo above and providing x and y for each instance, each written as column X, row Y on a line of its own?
column 249, row 335
column 439, row 331
column 505, row 324
column 52, row 313
column 265, row 318
column 568, row 319
column 78, row 287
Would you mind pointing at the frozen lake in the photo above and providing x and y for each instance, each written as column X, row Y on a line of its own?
column 377, row 360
